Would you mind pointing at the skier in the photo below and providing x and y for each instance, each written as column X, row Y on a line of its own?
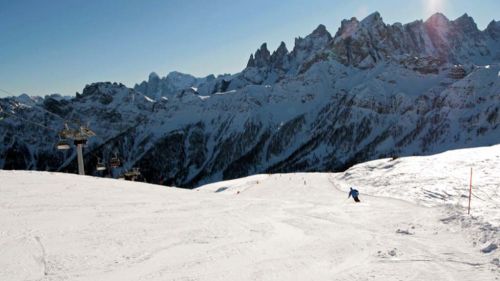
column 354, row 193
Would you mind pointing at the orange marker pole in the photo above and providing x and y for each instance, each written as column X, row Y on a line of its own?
column 470, row 190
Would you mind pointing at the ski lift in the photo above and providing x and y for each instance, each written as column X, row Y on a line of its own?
column 135, row 172
column 100, row 165
column 132, row 175
column 115, row 162
column 66, row 132
column 63, row 144
column 87, row 132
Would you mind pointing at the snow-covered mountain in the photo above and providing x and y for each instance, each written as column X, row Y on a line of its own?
column 411, row 224
column 371, row 91
column 170, row 85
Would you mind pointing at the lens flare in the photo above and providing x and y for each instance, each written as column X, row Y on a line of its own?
column 433, row 6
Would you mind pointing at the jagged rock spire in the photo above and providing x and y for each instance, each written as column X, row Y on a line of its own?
column 281, row 49
column 321, row 31
column 251, row 61
column 262, row 56
column 279, row 57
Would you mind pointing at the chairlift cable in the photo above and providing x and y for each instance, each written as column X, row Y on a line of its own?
column 77, row 122
column 26, row 120
column 37, row 106
column 7, row 92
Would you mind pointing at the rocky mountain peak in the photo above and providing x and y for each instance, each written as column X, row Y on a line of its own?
column 153, row 76
column 152, row 85
column 437, row 20
column 464, row 18
column 262, row 56
column 372, row 19
column 280, row 52
column 494, row 25
column 282, row 48
column 306, row 48
column 303, row 50
column 278, row 58
column 320, row 31
column 99, row 89
column 347, row 28
column 493, row 30
column 374, row 25
column 367, row 42
column 157, row 87
column 180, row 78
column 28, row 100
column 251, row 61
column 466, row 24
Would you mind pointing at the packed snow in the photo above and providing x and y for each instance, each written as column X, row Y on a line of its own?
column 411, row 224
column 441, row 179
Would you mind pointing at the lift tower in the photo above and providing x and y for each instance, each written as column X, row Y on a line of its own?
column 79, row 137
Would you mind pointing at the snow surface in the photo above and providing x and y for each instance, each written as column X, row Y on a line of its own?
column 435, row 180
column 410, row 225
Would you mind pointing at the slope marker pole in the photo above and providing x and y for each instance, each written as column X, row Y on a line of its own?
column 470, row 190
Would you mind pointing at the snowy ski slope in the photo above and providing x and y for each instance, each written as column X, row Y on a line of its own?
column 410, row 225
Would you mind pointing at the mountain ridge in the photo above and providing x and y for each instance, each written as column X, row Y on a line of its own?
column 372, row 90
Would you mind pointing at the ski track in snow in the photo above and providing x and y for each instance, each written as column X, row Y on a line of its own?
column 264, row 227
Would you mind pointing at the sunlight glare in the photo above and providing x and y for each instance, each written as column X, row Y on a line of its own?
column 433, row 6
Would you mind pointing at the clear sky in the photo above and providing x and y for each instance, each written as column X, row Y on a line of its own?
column 58, row 46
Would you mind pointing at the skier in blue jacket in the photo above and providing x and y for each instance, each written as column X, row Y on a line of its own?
column 354, row 193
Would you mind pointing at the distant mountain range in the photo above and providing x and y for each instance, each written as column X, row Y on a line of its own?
column 372, row 90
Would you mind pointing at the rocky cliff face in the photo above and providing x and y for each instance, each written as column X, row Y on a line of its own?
column 371, row 40
column 373, row 90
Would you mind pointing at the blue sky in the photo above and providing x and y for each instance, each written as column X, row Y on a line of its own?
column 58, row 46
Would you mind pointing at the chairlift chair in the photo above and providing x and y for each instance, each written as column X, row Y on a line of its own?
column 63, row 144
column 114, row 162
column 100, row 165
column 66, row 132
column 132, row 175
